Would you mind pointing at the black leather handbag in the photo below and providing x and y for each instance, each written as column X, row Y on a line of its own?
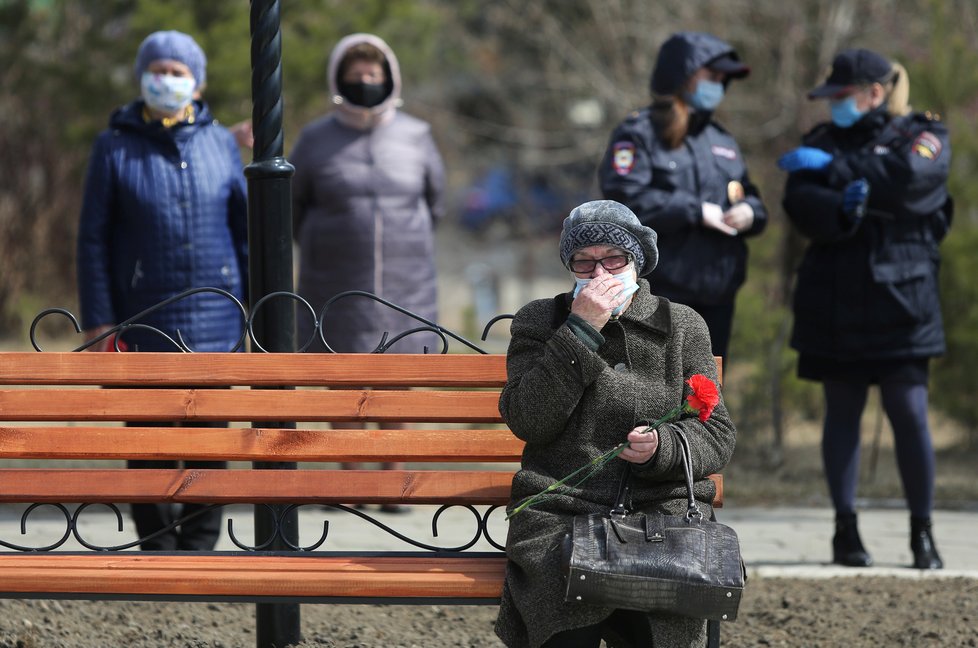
column 673, row 564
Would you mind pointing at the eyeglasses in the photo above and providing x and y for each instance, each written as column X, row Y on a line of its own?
column 616, row 262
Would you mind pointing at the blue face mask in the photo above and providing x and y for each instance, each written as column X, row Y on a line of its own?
column 630, row 287
column 707, row 95
column 845, row 113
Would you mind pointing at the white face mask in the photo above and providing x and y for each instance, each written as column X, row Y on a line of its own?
column 630, row 286
column 165, row 93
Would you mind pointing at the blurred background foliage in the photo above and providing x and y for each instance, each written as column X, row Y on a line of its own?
column 524, row 94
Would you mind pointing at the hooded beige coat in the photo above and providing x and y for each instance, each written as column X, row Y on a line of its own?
column 367, row 191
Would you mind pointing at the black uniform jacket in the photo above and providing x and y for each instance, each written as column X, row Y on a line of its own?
column 869, row 288
column 667, row 188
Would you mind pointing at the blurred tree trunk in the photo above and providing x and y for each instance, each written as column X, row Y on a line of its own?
column 48, row 83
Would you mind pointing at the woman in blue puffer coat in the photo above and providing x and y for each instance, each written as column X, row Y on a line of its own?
column 165, row 210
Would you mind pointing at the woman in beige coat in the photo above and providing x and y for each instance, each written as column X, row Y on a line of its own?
column 367, row 193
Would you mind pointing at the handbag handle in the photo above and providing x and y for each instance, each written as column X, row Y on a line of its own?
column 692, row 509
column 620, row 508
column 624, row 487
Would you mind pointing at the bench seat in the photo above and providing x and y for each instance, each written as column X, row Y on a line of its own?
column 265, row 577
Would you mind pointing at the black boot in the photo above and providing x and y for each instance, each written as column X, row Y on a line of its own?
column 847, row 548
column 925, row 554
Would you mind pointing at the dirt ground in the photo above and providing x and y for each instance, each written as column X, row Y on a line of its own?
column 922, row 613
column 838, row 612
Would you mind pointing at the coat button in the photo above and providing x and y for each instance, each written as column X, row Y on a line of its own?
column 621, row 367
column 183, row 164
column 672, row 164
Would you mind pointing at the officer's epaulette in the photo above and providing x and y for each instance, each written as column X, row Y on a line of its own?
column 816, row 131
column 637, row 115
column 927, row 116
column 819, row 128
column 717, row 125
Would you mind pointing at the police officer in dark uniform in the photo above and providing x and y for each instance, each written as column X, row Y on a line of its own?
column 868, row 191
column 685, row 177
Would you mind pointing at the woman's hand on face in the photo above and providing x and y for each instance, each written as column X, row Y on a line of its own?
column 643, row 442
column 597, row 299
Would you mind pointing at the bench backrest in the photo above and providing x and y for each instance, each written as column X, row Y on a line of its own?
column 56, row 409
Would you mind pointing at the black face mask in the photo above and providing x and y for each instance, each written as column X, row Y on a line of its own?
column 367, row 95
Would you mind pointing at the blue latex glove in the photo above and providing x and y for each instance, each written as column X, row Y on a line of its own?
column 854, row 198
column 804, row 158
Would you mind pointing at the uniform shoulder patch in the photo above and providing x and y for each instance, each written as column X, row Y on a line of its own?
column 724, row 152
column 623, row 157
column 927, row 145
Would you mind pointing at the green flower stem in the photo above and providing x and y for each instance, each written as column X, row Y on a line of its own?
column 593, row 466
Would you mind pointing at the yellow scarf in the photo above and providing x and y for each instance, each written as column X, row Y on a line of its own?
column 189, row 115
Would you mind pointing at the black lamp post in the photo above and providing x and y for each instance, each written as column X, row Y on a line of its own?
column 270, row 270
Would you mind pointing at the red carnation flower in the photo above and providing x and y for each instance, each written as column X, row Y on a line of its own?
column 705, row 395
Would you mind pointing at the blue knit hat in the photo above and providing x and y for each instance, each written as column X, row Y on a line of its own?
column 175, row 46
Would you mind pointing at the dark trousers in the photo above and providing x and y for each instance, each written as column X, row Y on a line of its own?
column 197, row 534
column 718, row 318
column 624, row 625
column 905, row 405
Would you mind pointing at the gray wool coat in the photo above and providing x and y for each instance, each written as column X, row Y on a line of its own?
column 367, row 191
column 571, row 404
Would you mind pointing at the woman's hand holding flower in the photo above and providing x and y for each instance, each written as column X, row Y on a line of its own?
column 643, row 442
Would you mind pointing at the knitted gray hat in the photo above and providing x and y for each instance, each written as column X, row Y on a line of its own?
column 175, row 46
column 606, row 222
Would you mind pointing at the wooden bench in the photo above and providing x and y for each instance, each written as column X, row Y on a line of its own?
column 54, row 409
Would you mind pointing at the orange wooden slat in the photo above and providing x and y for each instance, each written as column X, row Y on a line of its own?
column 307, row 576
column 248, row 405
column 258, row 444
column 43, row 485
column 717, row 480
column 29, row 485
column 256, row 562
column 260, row 369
